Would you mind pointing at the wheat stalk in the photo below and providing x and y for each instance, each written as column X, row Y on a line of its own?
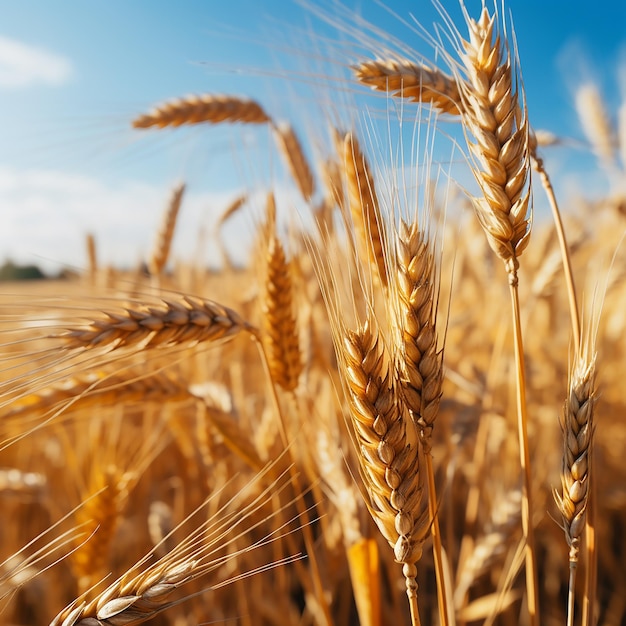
column 146, row 590
column 596, row 123
column 577, row 425
column 293, row 154
column 162, row 245
column 91, row 255
column 420, row 366
column 99, row 389
column 209, row 108
column 494, row 114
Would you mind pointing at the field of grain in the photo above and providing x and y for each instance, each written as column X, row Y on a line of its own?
column 404, row 408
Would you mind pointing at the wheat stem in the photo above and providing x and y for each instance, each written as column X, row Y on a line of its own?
column 565, row 251
column 527, row 502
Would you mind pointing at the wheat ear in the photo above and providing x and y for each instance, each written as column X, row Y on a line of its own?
column 280, row 327
column 92, row 257
column 405, row 79
column 364, row 207
column 389, row 455
column 577, row 426
column 163, row 243
column 92, row 389
column 421, row 362
column 596, row 123
column 293, row 155
column 209, row 108
column 189, row 320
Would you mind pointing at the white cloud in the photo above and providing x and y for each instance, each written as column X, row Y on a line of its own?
column 22, row 65
column 47, row 214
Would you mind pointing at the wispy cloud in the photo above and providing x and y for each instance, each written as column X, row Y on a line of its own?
column 22, row 65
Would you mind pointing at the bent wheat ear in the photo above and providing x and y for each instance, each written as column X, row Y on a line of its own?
column 206, row 108
column 188, row 321
column 405, row 79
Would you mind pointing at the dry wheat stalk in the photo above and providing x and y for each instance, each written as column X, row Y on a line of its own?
column 149, row 587
column 109, row 490
column 210, row 108
column 189, row 320
column 331, row 171
column 389, row 451
column 91, row 255
column 364, row 207
column 293, row 154
column 99, row 389
column 162, row 245
column 280, row 326
column 231, row 209
column 595, row 122
column 406, row 79
column 494, row 114
column 420, row 362
column 492, row 545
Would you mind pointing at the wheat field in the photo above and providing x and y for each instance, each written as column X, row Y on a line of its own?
column 401, row 405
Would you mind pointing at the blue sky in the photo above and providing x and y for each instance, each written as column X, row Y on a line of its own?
column 74, row 73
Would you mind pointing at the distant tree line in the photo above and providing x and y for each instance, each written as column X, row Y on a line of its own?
column 11, row 271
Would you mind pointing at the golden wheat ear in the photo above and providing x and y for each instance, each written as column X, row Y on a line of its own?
column 165, row 235
column 389, row 454
column 367, row 218
column 208, row 108
column 414, row 81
